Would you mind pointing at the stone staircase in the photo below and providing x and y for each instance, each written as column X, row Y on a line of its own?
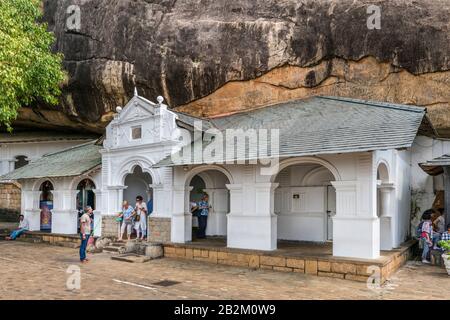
column 115, row 247
column 134, row 251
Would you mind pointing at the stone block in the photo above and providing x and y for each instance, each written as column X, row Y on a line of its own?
column 295, row 263
column 331, row 275
column 324, row 266
column 189, row 253
column 253, row 261
column 284, row 269
column 273, row 261
column 311, row 267
column 343, row 267
column 213, row 256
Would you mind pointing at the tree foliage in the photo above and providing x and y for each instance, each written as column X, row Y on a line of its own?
column 29, row 71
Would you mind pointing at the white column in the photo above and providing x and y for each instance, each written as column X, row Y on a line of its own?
column 355, row 225
column 181, row 222
column 256, row 227
column 98, row 213
column 386, row 215
column 217, row 219
column 160, row 200
column 31, row 209
column 64, row 213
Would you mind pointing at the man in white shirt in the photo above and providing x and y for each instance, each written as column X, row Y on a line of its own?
column 23, row 226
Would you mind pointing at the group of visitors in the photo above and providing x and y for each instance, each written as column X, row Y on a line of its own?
column 134, row 218
column 201, row 211
column 431, row 230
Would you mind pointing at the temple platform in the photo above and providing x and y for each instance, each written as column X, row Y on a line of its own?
column 303, row 257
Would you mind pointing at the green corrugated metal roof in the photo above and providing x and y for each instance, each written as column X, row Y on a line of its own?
column 321, row 125
column 41, row 136
column 65, row 163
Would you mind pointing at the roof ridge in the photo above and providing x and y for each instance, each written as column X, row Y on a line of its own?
column 380, row 104
column 70, row 148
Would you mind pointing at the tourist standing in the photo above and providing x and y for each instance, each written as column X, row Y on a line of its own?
column 141, row 214
column 426, row 235
column 85, row 232
column 203, row 207
column 23, row 226
column 127, row 220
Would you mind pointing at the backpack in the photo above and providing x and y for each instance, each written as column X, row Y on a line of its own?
column 419, row 230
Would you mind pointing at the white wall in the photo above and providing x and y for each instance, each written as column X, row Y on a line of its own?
column 32, row 150
column 303, row 217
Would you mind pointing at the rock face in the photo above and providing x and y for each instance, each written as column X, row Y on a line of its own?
column 208, row 57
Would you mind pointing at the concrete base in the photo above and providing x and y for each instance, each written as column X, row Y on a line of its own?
column 159, row 229
column 64, row 221
column 34, row 219
column 296, row 260
column 356, row 237
column 181, row 228
column 110, row 227
column 252, row 232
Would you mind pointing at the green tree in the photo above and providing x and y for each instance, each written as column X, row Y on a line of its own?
column 29, row 71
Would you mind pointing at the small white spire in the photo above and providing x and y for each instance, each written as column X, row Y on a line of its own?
column 135, row 92
column 160, row 100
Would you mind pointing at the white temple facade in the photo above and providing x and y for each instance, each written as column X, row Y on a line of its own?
column 339, row 180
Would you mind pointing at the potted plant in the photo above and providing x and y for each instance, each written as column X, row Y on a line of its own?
column 445, row 245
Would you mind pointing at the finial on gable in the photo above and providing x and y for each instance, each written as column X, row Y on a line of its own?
column 135, row 92
column 160, row 100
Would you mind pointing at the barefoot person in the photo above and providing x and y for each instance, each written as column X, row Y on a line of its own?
column 127, row 222
column 85, row 232
column 23, row 226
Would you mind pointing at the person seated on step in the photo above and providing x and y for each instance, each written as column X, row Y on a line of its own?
column 128, row 220
column 23, row 226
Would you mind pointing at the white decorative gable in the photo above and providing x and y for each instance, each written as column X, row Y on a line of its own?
column 141, row 122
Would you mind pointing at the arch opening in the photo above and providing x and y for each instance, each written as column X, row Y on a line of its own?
column 46, row 205
column 213, row 183
column 305, row 203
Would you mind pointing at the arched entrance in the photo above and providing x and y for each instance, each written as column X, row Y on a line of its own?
column 138, row 184
column 384, row 209
column 213, row 183
column 85, row 197
column 46, row 205
column 305, row 203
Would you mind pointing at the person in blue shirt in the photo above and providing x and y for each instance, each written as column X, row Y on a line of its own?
column 127, row 215
column 203, row 212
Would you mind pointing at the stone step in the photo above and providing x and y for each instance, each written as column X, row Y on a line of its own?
column 111, row 249
column 131, row 258
column 29, row 239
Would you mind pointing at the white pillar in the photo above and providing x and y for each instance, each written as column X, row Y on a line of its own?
column 160, row 199
column 181, row 222
column 355, row 225
column 64, row 213
column 217, row 218
column 98, row 213
column 31, row 209
column 256, row 227
column 386, row 215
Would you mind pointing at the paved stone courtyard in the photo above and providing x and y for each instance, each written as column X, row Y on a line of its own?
column 39, row 271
